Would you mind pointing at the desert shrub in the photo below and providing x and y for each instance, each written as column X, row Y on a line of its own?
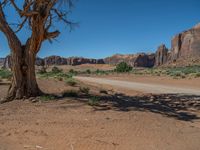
column 59, row 78
column 197, row 75
column 5, row 74
column 42, row 70
column 71, row 82
column 94, row 101
column 47, row 97
column 56, row 70
column 72, row 72
column 123, row 67
column 70, row 93
column 103, row 72
column 88, row 71
column 84, row 90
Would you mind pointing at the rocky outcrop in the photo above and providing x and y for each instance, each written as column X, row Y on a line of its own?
column 55, row 60
column 80, row 60
column 161, row 55
column 1, row 61
column 39, row 62
column 186, row 44
column 185, row 49
column 137, row 60
column 7, row 62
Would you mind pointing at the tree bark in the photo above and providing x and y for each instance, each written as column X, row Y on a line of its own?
column 24, row 84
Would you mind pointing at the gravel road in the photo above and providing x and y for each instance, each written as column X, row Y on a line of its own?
column 142, row 87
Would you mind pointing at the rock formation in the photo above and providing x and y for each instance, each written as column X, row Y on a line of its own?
column 55, row 60
column 137, row 60
column 161, row 55
column 80, row 60
column 185, row 48
column 186, row 44
column 1, row 61
column 7, row 62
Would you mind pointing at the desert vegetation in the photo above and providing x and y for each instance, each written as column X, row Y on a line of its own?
column 5, row 74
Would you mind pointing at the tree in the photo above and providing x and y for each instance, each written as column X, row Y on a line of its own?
column 123, row 67
column 39, row 16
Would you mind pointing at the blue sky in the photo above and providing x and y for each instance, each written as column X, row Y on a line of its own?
column 107, row 27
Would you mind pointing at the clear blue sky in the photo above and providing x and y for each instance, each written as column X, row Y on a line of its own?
column 108, row 27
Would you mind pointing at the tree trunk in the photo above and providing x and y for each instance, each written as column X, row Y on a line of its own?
column 24, row 84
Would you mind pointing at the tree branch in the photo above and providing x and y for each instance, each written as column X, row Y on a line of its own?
column 13, row 40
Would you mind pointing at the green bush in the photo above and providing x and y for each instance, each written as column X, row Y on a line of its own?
column 94, row 101
column 123, row 67
column 72, row 72
column 42, row 70
column 197, row 75
column 56, row 70
column 88, row 71
column 84, row 90
column 71, row 82
column 5, row 74
column 47, row 97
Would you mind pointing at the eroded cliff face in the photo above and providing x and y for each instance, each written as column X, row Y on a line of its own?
column 185, row 49
column 7, row 62
column 186, row 44
column 135, row 60
column 161, row 55
column 2, row 61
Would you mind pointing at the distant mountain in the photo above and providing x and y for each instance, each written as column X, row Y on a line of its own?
column 185, row 50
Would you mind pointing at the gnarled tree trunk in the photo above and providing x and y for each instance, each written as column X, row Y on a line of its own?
column 39, row 15
column 24, row 84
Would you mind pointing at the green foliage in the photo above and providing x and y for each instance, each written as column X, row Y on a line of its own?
column 84, row 90
column 56, row 70
column 42, row 70
column 72, row 72
column 5, row 74
column 197, row 75
column 94, row 101
column 102, row 72
column 71, row 82
column 123, row 67
column 88, row 71
column 55, row 74
column 176, row 72
column 47, row 97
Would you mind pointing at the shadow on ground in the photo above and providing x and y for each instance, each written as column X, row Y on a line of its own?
column 181, row 107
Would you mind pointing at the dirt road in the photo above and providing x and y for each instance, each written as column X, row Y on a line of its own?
column 143, row 87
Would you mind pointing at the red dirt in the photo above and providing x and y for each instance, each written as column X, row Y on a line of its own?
column 72, row 124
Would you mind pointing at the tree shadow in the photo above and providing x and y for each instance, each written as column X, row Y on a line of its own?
column 178, row 106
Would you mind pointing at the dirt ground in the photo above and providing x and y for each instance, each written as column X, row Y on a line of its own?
column 122, row 121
